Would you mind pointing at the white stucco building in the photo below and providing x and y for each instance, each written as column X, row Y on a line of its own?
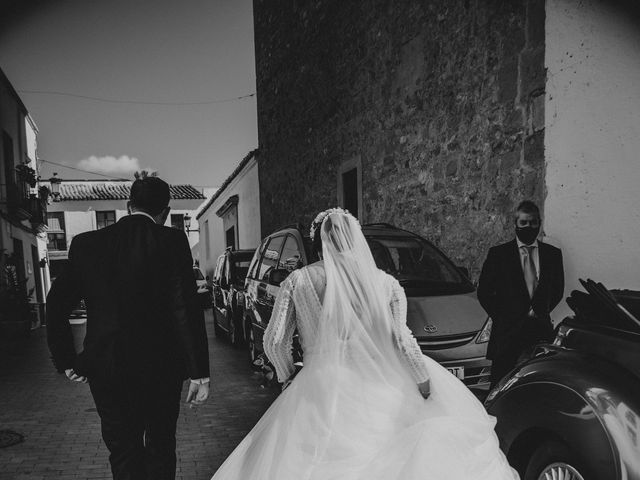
column 85, row 205
column 592, row 141
column 22, row 205
column 232, row 216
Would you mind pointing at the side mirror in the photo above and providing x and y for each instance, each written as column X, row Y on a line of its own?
column 207, row 278
column 464, row 271
column 277, row 276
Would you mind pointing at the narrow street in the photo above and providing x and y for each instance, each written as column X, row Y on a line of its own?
column 62, row 429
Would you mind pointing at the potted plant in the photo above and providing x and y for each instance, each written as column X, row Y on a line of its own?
column 27, row 174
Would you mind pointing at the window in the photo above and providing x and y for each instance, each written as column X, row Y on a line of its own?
column 56, row 241
column 229, row 215
column 177, row 221
column 270, row 257
column 231, row 237
column 106, row 218
column 417, row 265
column 57, row 238
column 240, row 266
column 217, row 273
column 350, row 191
column 350, row 186
column 256, row 260
column 290, row 258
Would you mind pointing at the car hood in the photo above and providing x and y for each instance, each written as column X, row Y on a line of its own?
column 449, row 314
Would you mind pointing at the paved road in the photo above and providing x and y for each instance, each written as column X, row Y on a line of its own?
column 62, row 429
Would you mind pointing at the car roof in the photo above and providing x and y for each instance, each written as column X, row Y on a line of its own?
column 386, row 230
column 368, row 229
column 283, row 231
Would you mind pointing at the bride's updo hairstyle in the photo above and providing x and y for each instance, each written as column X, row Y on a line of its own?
column 317, row 224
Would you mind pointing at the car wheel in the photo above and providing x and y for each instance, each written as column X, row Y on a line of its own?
column 553, row 460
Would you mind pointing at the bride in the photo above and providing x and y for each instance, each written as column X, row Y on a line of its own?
column 367, row 405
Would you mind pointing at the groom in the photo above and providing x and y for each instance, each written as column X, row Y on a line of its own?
column 145, row 331
column 521, row 282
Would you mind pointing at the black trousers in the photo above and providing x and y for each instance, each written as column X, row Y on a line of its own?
column 519, row 346
column 139, row 420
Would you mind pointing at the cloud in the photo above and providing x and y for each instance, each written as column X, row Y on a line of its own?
column 123, row 165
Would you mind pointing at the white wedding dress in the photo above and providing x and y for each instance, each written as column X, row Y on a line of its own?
column 354, row 412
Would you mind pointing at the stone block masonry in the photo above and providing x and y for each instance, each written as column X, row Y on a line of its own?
column 442, row 103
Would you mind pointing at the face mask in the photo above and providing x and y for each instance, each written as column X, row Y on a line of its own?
column 527, row 235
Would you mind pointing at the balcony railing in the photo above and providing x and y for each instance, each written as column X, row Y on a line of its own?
column 17, row 201
column 25, row 206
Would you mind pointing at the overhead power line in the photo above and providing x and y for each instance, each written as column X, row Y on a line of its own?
column 81, row 170
column 132, row 102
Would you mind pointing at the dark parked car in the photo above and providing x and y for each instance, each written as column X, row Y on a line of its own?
column 278, row 255
column 228, row 293
column 572, row 410
column 443, row 311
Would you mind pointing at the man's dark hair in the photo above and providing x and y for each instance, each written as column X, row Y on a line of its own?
column 150, row 194
column 527, row 206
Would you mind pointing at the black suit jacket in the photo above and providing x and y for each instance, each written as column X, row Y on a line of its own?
column 143, row 316
column 502, row 291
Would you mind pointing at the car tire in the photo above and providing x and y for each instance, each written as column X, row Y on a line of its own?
column 553, row 459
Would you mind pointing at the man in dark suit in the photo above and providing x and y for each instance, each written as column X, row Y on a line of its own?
column 145, row 331
column 521, row 282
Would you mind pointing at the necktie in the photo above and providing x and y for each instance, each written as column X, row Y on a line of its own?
column 530, row 274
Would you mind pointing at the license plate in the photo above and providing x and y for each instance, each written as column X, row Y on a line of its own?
column 457, row 371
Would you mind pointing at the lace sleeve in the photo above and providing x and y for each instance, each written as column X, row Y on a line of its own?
column 278, row 336
column 404, row 338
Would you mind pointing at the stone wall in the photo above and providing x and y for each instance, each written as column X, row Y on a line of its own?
column 441, row 101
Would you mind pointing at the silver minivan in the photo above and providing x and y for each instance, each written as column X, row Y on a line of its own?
column 442, row 309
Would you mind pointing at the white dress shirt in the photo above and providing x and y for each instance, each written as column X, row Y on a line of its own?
column 197, row 381
column 138, row 212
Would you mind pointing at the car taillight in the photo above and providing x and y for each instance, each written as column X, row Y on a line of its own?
column 485, row 333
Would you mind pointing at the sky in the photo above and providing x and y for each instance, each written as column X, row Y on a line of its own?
column 168, row 73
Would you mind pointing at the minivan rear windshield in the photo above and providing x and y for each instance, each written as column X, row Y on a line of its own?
column 419, row 267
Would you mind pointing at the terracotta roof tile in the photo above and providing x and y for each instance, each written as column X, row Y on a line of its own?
column 115, row 190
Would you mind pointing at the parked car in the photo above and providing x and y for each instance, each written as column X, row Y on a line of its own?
column 278, row 255
column 228, row 293
column 204, row 291
column 443, row 311
column 572, row 410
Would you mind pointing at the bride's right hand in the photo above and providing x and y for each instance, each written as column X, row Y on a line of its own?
column 425, row 389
